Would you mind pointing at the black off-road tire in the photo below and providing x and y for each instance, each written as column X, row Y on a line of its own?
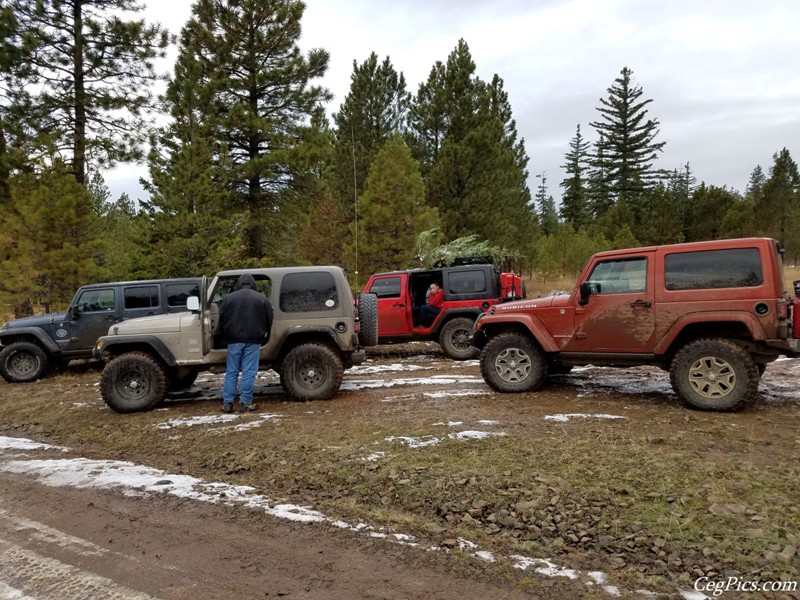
column 311, row 372
column 511, row 362
column 714, row 374
column 455, row 338
column 368, row 320
column 133, row 382
column 22, row 362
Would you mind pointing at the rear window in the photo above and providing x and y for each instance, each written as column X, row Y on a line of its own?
column 308, row 292
column 141, row 297
column 177, row 293
column 386, row 287
column 466, row 282
column 713, row 269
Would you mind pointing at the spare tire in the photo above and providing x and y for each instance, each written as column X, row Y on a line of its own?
column 368, row 320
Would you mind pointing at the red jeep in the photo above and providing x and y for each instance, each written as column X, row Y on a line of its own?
column 711, row 313
column 469, row 290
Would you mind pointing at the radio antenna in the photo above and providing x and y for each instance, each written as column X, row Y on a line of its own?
column 355, row 198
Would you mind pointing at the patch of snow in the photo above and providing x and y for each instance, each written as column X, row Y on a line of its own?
column 548, row 568
column 488, row 422
column 412, row 442
column 563, row 418
column 691, row 595
column 392, row 368
column 455, row 393
column 450, row 423
column 9, row 443
column 474, row 435
column 351, row 385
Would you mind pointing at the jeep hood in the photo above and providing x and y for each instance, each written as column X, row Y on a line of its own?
column 36, row 321
column 148, row 325
column 543, row 302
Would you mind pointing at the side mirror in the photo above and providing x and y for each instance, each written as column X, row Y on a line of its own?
column 585, row 292
column 74, row 311
column 587, row 289
column 193, row 303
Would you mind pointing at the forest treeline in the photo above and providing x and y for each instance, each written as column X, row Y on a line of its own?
column 246, row 167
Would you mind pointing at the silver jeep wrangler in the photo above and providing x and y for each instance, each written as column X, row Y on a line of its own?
column 317, row 332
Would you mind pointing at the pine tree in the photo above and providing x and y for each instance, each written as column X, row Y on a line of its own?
column 709, row 206
column 627, row 146
column 184, row 224
column 375, row 108
column 55, row 239
column 478, row 180
column 392, row 211
column 780, row 196
column 548, row 217
column 92, row 71
column 575, row 199
column 264, row 97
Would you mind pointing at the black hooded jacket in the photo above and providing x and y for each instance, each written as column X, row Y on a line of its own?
column 245, row 315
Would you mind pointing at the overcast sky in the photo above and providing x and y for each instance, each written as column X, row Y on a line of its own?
column 722, row 74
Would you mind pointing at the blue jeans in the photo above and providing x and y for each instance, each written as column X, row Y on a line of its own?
column 244, row 358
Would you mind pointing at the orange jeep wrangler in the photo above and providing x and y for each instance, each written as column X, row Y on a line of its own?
column 711, row 313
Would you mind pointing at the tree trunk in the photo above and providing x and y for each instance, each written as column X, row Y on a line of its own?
column 79, row 156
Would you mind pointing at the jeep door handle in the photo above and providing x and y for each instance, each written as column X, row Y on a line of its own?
column 398, row 305
column 641, row 304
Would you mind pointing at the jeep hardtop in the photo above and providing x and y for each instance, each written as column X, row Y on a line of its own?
column 33, row 346
column 711, row 313
column 317, row 332
column 469, row 290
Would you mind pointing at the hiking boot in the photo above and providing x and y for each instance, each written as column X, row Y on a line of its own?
column 247, row 407
column 227, row 407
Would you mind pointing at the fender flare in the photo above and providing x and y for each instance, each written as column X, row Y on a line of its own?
column 119, row 345
column 529, row 322
column 36, row 332
column 744, row 318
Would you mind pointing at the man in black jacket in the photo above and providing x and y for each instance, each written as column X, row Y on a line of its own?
column 245, row 319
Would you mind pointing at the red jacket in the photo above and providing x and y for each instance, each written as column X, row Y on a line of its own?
column 436, row 299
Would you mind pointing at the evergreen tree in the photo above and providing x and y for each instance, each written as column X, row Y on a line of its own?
column 548, row 217
column 627, row 146
column 184, row 225
column 709, row 206
column 392, row 211
column 780, row 197
column 91, row 70
column 575, row 199
column 479, row 161
column 55, row 239
column 375, row 108
column 661, row 216
column 264, row 98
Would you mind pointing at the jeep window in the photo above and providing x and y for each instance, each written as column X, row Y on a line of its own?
column 386, row 287
column 225, row 286
column 140, row 297
column 619, row 276
column 713, row 269
column 466, row 282
column 96, row 301
column 177, row 293
column 308, row 292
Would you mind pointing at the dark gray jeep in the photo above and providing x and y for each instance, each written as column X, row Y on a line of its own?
column 33, row 346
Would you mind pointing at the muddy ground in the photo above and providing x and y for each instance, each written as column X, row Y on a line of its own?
column 419, row 481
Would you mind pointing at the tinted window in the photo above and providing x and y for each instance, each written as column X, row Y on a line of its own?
column 386, row 287
column 713, row 269
column 303, row 292
column 177, row 293
column 225, row 285
column 620, row 276
column 466, row 282
column 141, row 297
column 96, row 300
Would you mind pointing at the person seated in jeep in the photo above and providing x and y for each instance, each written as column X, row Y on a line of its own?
column 432, row 306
